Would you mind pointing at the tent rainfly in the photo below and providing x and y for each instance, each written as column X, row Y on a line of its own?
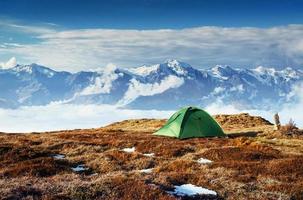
column 190, row 122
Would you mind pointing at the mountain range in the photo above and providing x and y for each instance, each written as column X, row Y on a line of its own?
column 165, row 86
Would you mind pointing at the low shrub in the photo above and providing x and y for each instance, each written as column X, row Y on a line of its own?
column 290, row 129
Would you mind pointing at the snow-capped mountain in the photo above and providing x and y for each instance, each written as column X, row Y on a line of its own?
column 169, row 85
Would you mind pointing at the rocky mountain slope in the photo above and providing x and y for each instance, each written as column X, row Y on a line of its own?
column 149, row 87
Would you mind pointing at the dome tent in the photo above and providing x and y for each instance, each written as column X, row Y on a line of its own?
column 190, row 122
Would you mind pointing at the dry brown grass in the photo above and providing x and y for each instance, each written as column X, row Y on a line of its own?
column 267, row 166
column 40, row 167
column 290, row 129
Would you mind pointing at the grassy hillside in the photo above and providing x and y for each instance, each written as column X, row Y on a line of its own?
column 252, row 162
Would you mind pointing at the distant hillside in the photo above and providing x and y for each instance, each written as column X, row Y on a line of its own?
column 227, row 122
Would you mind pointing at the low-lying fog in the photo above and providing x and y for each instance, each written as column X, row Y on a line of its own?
column 65, row 116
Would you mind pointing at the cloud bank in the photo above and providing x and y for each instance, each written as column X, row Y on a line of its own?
column 64, row 116
column 102, row 84
column 288, row 111
column 75, row 50
column 137, row 88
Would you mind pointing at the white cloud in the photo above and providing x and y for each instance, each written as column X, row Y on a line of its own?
column 288, row 111
column 14, row 25
column 103, row 83
column 137, row 88
column 218, row 90
column 202, row 46
column 294, row 110
column 12, row 62
column 46, row 118
column 221, row 108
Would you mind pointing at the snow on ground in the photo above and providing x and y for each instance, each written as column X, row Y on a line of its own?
column 58, row 156
column 147, row 171
column 79, row 168
column 149, row 154
column 190, row 190
column 204, row 161
column 129, row 150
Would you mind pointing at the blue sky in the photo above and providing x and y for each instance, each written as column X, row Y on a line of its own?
column 74, row 35
column 155, row 14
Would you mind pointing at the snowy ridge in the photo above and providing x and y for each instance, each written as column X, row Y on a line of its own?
column 144, row 70
column 149, row 87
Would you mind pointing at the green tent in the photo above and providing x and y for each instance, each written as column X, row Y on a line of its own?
column 190, row 122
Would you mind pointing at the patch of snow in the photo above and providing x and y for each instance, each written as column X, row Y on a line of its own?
column 26, row 92
column 23, row 68
column 265, row 70
column 204, row 161
column 129, row 150
column 149, row 154
column 238, row 88
column 216, row 72
column 191, row 190
column 48, row 73
column 79, row 168
column 147, row 171
column 144, row 70
column 58, row 156
column 268, row 75
column 176, row 66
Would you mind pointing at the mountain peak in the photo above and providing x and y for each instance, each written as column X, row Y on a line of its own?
column 173, row 62
column 23, row 68
column 264, row 70
column 222, row 71
column 170, row 66
column 223, row 68
column 32, row 68
column 180, row 68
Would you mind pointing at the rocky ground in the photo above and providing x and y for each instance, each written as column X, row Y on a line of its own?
column 125, row 161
